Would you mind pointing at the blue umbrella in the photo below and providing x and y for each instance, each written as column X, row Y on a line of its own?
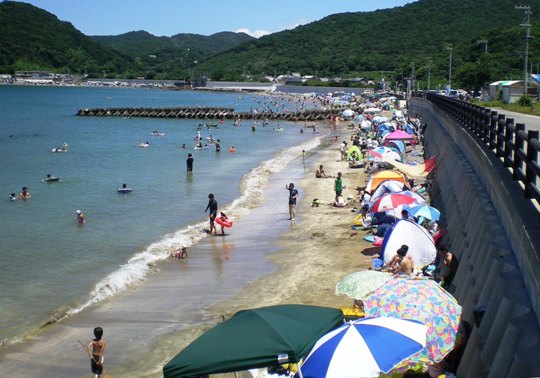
column 364, row 348
column 425, row 211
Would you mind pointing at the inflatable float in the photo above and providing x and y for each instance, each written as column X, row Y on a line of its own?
column 232, row 149
column 224, row 222
column 124, row 190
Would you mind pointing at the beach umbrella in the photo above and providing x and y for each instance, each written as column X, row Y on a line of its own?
column 255, row 338
column 385, row 152
column 425, row 211
column 356, row 285
column 348, row 113
column 417, row 197
column 372, row 110
column 423, row 300
column 364, row 348
column 392, row 200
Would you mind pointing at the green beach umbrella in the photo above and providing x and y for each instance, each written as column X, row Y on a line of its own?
column 255, row 338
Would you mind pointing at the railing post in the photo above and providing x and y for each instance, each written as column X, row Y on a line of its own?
column 508, row 139
column 500, row 135
column 484, row 124
column 493, row 130
column 518, row 146
column 532, row 156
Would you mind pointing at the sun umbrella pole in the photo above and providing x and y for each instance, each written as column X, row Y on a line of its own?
column 299, row 370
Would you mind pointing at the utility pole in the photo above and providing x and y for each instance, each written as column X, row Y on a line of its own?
column 526, row 24
column 413, row 76
column 483, row 42
column 428, row 73
column 450, row 49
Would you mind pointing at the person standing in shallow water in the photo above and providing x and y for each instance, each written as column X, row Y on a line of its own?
column 95, row 350
column 213, row 207
column 293, row 195
column 189, row 162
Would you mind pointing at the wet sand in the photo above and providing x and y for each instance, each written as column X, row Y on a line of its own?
column 300, row 262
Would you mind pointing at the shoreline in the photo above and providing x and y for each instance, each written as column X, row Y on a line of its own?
column 157, row 323
column 303, row 256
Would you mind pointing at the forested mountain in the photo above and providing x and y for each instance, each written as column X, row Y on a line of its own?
column 387, row 42
column 32, row 39
column 350, row 44
column 174, row 54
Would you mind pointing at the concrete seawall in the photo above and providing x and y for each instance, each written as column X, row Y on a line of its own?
column 495, row 233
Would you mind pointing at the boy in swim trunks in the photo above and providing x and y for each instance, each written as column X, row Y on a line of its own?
column 95, row 350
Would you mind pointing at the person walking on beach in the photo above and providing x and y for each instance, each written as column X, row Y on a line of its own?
column 95, row 350
column 189, row 162
column 293, row 195
column 213, row 207
column 338, row 185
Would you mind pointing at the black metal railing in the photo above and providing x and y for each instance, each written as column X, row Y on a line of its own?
column 516, row 147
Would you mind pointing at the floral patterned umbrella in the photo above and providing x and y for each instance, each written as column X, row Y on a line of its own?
column 356, row 285
column 423, row 300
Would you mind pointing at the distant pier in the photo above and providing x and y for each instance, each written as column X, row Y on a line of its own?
column 215, row 113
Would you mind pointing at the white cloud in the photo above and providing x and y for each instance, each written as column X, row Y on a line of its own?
column 254, row 33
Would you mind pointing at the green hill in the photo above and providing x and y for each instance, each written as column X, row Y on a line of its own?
column 170, row 56
column 387, row 43
column 32, row 39
column 349, row 44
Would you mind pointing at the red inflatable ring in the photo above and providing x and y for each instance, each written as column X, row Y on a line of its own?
column 222, row 221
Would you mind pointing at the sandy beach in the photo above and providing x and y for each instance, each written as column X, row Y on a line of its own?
column 300, row 262
column 316, row 253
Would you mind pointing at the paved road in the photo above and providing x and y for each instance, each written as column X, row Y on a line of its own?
column 531, row 122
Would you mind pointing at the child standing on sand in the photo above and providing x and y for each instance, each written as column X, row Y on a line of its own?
column 95, row 350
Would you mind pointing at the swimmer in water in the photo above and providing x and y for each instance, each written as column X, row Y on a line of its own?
column 80, row 217
column 25, row 194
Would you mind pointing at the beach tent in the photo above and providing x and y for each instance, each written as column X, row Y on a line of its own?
column 379, row 177
column 422, row 249
column 415, row 171
column 255, row 338
column 390, row 186
column 397, row 144
column 353, row 149
column 409, row 129
column 348, row 113
column 399, row 135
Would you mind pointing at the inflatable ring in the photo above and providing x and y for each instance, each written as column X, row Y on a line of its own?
column 223, row 222
column 232, row 149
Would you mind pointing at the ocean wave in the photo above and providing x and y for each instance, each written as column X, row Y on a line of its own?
column 137, row 267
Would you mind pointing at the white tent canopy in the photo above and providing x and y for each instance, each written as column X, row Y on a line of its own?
column 422, row 249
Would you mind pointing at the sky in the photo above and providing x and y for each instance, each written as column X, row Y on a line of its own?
column 170, row 17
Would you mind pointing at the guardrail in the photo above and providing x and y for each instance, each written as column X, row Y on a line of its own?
column 516, row 147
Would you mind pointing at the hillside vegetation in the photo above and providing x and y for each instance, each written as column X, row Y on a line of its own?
column 32, row 39
column 349, row 44
column 170, row 56
column 374, row 44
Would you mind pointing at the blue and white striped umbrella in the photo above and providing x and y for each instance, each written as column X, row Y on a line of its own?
column 364, row 348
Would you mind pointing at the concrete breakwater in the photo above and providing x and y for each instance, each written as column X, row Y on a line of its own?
column 215, row 113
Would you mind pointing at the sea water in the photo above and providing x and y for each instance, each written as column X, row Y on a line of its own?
column 51, row 265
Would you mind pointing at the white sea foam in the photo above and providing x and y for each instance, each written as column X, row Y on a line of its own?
column 136, row 268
